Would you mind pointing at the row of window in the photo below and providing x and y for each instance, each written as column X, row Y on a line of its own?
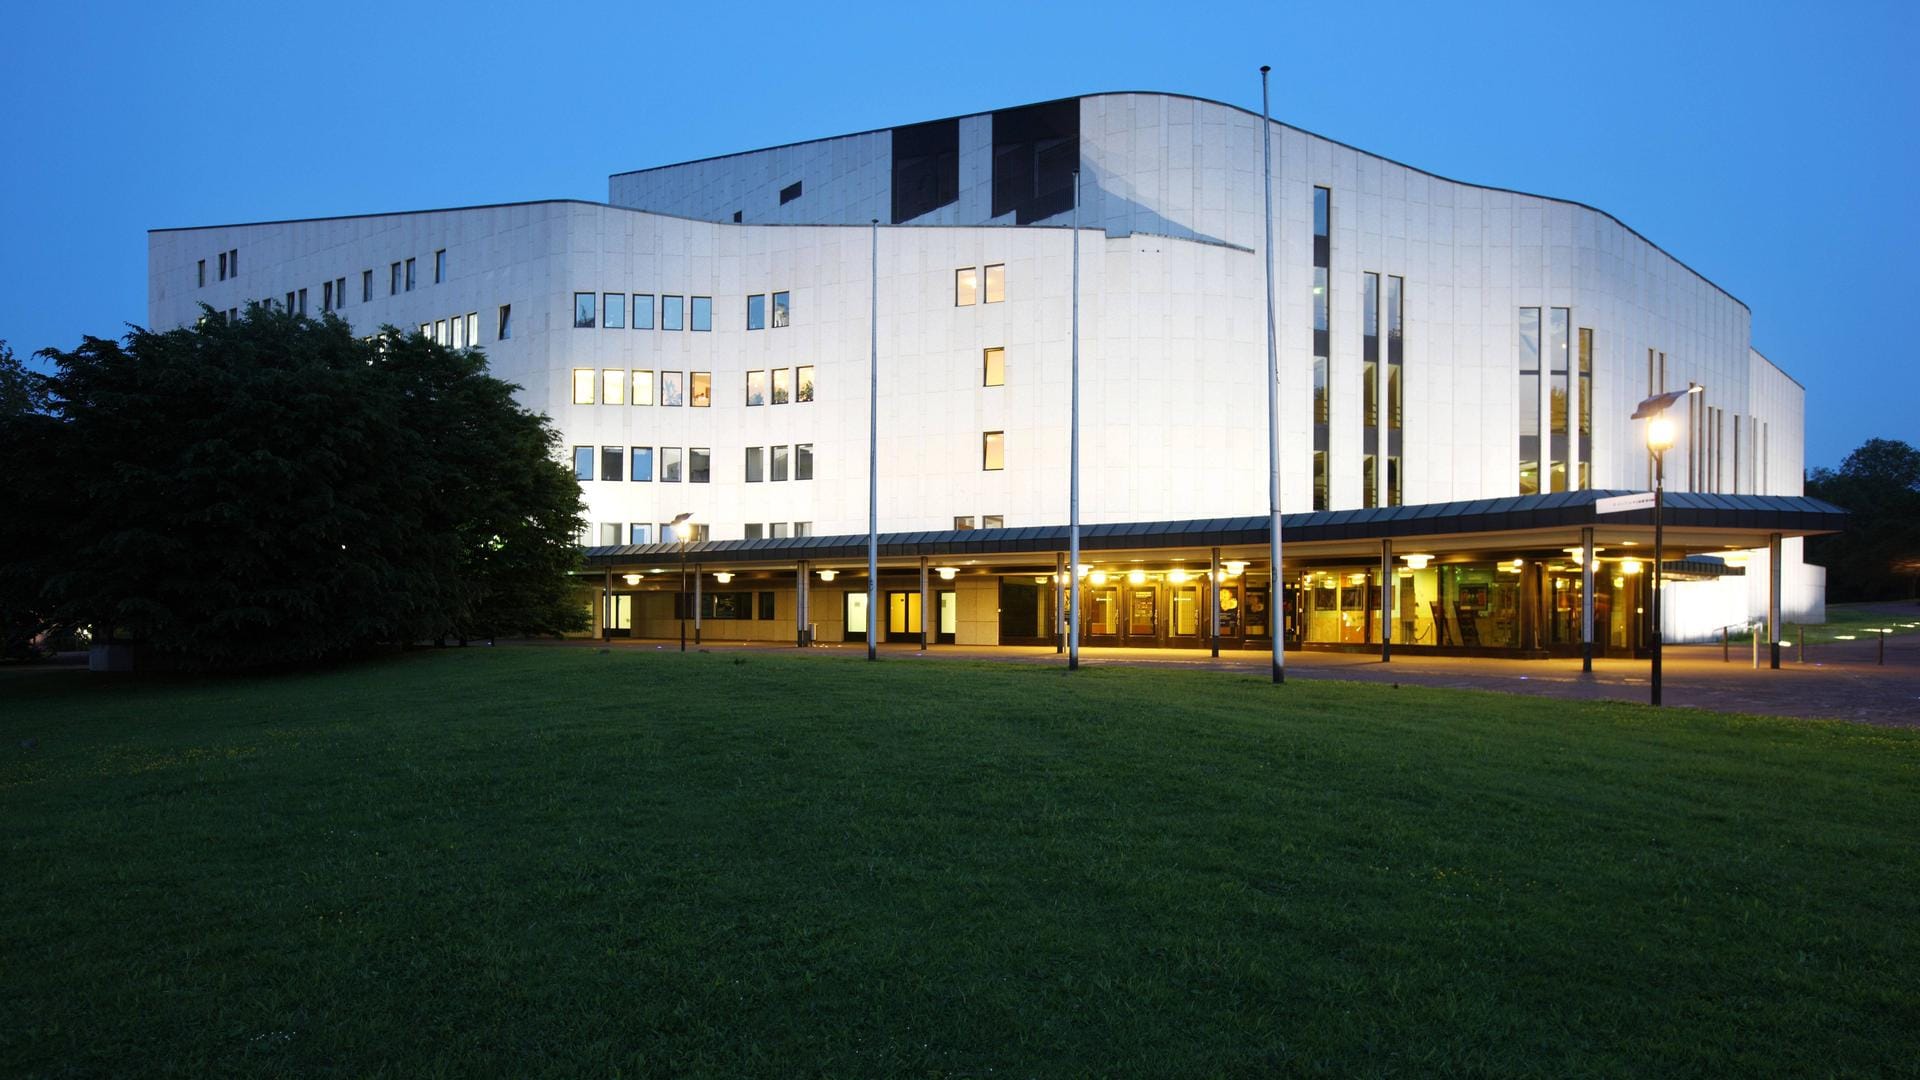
column 640, row 532
column 987, row 521
column 636, row 463
column 966, row 285
column 1550, row 413
column 459, row 332
column 618, row 386
column 776, row 530
column 229, row 266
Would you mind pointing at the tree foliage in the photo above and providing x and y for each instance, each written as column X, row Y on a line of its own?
column 272, row 489
column 1878, row 556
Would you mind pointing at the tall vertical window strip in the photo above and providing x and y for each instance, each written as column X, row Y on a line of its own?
column 1370, row 389
column 440, row 266
column 583, row 386
column 1322, row 344
column 1528, row 398
column 1396, row 359
column 996, row 283
column 1586, row 407
column 583, row 309
column 782, row 309
column 672, row 311
column 757, row 312
column 966, row 286
column 613, row 311
column 366, row 286
column 1558, row 359
column 643, row 311
column 703, row 313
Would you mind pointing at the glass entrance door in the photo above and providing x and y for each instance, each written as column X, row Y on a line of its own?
column 856, row 616
column 1142, row 606
column 903, row 616
column 948, row 607
column 1188, row 621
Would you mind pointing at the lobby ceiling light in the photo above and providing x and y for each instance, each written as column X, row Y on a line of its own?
column 829, row 575
column 1177, row 576
column 1235, row 567
column 722, row 576
column 947, row 573
column 1629, row 566
column 631, row 579
column 1136, row 577
column 1417, row 562
column 1098, row 577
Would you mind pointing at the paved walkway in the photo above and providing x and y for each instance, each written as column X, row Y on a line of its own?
column 1841, row 680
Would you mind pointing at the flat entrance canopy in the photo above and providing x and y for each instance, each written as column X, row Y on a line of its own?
column 1488, row 576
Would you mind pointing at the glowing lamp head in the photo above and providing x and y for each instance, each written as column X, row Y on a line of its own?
column 1234, row 567
column 1098, row 577
column 1660, row 433
column 1136, row 577
column 948, row 573
column 1417, row 562
column 828, row 575
column 722, row 576
column 1177, row 576
column 1629, row 566
column 631, row 579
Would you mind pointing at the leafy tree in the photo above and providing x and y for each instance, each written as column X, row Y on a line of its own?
column 27, row 445
column 272, row 489
column 1878, row 556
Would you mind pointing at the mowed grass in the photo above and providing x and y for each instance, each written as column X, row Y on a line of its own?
column 561, row 862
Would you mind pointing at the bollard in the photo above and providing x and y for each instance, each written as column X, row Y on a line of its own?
column 1755, row 627
column 1725, row 655
column 1883, row 646
column 1803, row 645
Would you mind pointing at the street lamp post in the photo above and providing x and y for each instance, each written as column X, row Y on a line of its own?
column 682, row 527
column 1659, row 440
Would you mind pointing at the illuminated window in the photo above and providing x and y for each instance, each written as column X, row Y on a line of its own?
column 963, row 524
column 996, row 283
column 459, row 340
column 756, row 312
column 996, row 367
column 672, row 311
column 702, row 389
column 780, row 456
column 802, row 470
column 583, row 463
column 1529, row 401
column 643, row 311
column 756, row 388
column 641, row 458
column 703, row 313
column 782, row 310
column 439, row 326
column 612, row 460
column 642, row 386
column 803, row 376
column 993, row 451
column 782, row 385
column 699, row 464
column 669, row 465
column 966, row 287
column 613, row 386
column 583, row 305
column 613, row 311
column 473, row 328
column 583, row 386
column 672, row 388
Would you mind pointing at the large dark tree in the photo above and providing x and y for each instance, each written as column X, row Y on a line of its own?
column 1878, row 557
column 273, row 489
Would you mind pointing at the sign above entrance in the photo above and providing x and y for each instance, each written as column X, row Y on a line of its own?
column 1620, row 504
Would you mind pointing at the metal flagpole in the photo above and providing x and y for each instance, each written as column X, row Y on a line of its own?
column 1073, row 462
column 873, row 459
column 1276, row 602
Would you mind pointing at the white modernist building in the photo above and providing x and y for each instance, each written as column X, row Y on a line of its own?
column 1457, row 368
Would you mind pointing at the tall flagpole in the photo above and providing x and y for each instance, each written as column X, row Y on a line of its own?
column 873, row 460
column 1276, row 598
column 1073, row 457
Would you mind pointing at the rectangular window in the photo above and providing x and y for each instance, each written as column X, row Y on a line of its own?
column 994, row 367
column 966, row 286
column 996, row 283
column 782, row 310
column 223, row 266
column 673, row 388
column 1528, row 396
column 426, row 330
column 756, row 312
column 790, row 192
column 993, row 521
column 339, row 292
column 609, row 533
column 612, row 460
column 669, row 467
column 803, row 382
column 702, row 389
column 583, row 309
column 639, row 533
column 993, row 451
column 203, row 269
column 1396, row 347
column 613, row 386
column 803, row 528
column 1322, row 212
column 583, row 386
column 233, row 262
column 642, row 386
column 802, row 467
column 756, row 464
column 672, row 311
column 393, row 280
column 782, row 385
column 440, row 266
column 703, row 313
column 504, row 328
column 409, row 275
column 326, row 296
column 439, row 327
column 303, row 301
column 777, row 530
column 643, row 311
column 699, row 464
column 366, row 286
column 753, row 531
column 641, row 458
column 459, row 332
column 1586, row 408
column 963, row 524
column 766, row 598
column 583, row 463
column 1557, row 389
column 756, row 388
column 780, row 456
column 613, row 311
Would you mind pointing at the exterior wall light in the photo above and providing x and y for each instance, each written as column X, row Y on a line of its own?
column 1629, row 566
column 829, row 575
column 1235, row 567
column 1098, row 577
column 722, row 576
column 1136, row 577
column 1177, row 576
column 948, row 573
column 631, row 579
column 1417, row 562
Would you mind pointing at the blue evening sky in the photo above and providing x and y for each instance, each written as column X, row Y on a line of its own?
column 1771, row 146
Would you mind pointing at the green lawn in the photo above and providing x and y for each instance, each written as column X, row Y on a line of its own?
column 556, row 861
column 1851, row 622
